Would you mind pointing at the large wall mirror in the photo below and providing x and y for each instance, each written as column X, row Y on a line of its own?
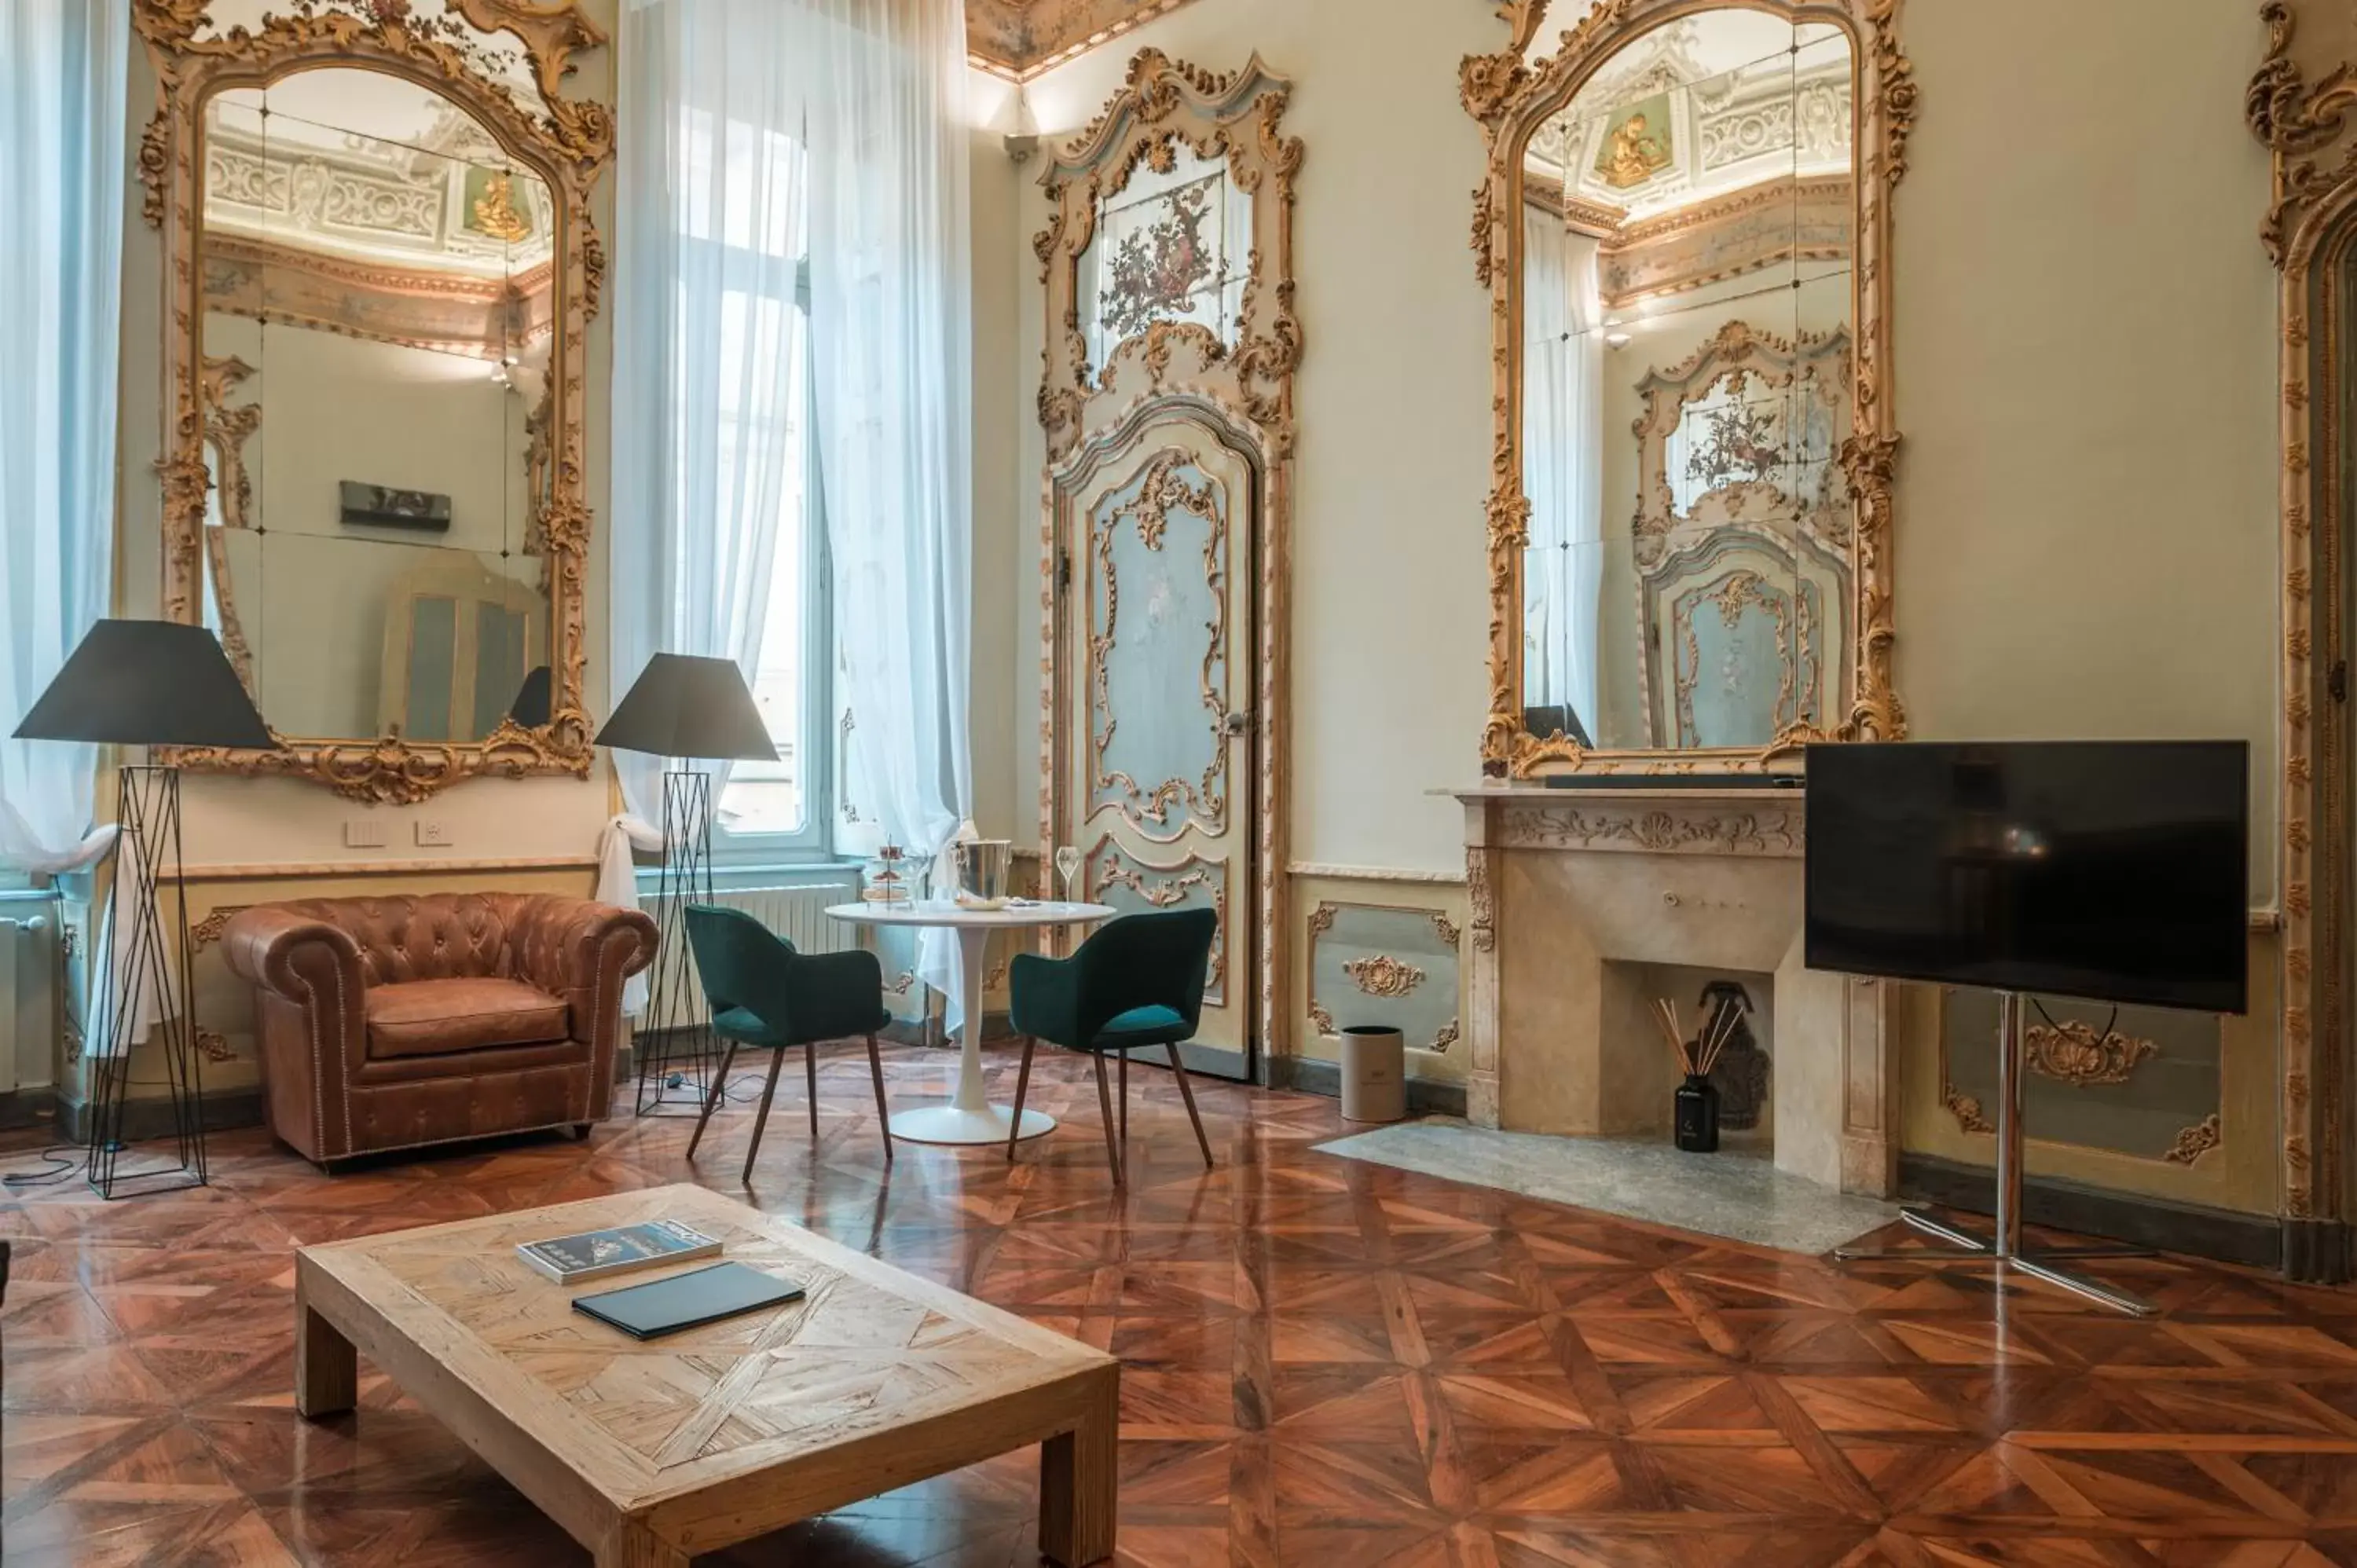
column 379, row 220
column 1683, row 231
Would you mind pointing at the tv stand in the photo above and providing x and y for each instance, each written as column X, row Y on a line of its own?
column 2003, row 1247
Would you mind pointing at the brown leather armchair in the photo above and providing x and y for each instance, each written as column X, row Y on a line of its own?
column 399, row 1022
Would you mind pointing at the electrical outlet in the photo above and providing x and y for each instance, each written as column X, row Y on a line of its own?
column 362, row 833
column 432, row 833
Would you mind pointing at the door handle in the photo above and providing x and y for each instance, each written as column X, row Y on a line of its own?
column 1237, row 722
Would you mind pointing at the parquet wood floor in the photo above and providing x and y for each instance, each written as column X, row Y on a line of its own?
column 1326, row 1362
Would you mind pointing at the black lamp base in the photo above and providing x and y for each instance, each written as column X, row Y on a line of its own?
column 677, row 1054
column 152, row 956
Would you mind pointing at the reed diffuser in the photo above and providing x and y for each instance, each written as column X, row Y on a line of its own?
column 1696, row 1118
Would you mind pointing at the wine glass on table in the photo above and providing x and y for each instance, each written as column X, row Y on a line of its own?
column 1068, row 863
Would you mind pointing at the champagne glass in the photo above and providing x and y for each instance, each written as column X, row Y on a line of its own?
column 1068, row 862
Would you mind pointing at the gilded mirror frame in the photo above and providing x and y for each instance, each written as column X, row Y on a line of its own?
column 1511, row 96
column 2302, row 107
column 566, row 143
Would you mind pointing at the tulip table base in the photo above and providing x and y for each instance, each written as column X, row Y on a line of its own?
column 969, row 1118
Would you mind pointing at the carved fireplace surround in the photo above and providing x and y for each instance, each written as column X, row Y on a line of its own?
column 1574, row 890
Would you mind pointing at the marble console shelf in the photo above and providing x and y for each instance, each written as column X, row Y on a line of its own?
column 1572, row 890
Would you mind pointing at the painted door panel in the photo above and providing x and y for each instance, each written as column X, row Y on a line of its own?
column 1156, row 741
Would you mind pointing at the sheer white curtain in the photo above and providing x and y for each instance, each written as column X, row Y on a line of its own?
column 732, row 112
column 62, row 66
column 1563, row 466
column 890, row 319
column 708, row 348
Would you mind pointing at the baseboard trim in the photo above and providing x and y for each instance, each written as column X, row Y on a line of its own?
column 2319, row 1252
column 26, row 1108
column 2257, row 1241
column 1308, row 1075
column 145, row 1118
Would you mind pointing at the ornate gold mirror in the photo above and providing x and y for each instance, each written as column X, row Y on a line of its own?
column 1683, row 231
column 381, row 266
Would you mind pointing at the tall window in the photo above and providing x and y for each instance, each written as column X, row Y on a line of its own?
column 744, row 295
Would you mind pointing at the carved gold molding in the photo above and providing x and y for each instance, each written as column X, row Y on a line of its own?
column 1511, row 96
column 1964, row 1109
column 1241, row 394
column 1383, row 975
column 227, row 429
column 565, row 142
column 2298, row 106
column 1666, row 831
column 2073, row 1053
column 2196, row 1140
column 1109, row 863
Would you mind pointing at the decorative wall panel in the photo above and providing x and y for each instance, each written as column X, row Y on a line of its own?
column 2132, row 1090
column 1133, row 886
column 1386, row 966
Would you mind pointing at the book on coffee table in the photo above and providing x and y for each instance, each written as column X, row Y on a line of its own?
column 687, row 1301
column 594, row 1254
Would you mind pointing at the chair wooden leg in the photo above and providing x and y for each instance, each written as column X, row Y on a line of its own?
column 1105, row 1109
column 711, row 1097
column 768, row 1089
column 1120, row 1100
column 1022, row 1083
column 1187, row 1093
column 810, row 1071
column 883, row 1111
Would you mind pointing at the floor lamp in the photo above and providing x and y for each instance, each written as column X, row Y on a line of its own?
column 149, row 683
column 684, row 709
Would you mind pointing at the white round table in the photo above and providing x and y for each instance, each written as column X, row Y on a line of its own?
column 970, row 1118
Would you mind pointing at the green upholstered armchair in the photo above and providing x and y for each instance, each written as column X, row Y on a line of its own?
column 764, row 994
column 1136, row 983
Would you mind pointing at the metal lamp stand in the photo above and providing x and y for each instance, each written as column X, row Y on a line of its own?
column 678, row 1057
column 2004, row 1248
column 153, row 957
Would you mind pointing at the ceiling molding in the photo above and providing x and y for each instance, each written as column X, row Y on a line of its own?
column 1019, row 39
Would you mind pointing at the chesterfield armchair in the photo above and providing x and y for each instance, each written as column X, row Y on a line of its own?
column 398, row 1023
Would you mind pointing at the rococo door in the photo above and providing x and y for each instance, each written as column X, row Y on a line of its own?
column 1154, row 687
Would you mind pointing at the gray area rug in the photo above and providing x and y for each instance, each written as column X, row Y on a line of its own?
column 1740, row 1197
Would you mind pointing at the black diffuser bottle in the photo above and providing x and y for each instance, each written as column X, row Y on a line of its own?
column 1696, row 1118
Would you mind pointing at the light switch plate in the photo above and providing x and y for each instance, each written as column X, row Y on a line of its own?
column 362, row 833
column 432, row 833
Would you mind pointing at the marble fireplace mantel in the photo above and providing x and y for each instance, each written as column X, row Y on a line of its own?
column 1576, row 892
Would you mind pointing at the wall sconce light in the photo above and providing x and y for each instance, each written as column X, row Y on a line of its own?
column 1616, row 340
column 1024, row 139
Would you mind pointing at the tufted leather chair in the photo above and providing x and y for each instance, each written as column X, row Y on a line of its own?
column 395, row 1022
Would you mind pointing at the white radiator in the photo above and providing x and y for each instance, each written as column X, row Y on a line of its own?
column 797, row 913
column 30, row 982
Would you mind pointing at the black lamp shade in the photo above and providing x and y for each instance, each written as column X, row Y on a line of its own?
column 531, row 699
column 683, row 705
column 147, row 683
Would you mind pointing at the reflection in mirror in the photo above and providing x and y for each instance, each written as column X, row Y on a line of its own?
column 378, row 305
column 1687, row 233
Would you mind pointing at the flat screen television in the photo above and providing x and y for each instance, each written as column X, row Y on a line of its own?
column 2113, row 870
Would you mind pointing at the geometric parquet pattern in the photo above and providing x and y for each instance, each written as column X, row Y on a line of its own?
column 1326, row 1362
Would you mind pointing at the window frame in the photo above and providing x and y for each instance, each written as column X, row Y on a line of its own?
column 814, row 765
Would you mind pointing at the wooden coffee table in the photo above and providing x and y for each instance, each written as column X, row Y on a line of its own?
column 649, row 1453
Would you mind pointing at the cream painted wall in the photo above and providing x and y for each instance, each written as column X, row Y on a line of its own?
column 2086, row 363
column 1389, row 592
column 2085, row 378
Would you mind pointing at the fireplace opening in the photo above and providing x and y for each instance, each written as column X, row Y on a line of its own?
column 1730, row 1010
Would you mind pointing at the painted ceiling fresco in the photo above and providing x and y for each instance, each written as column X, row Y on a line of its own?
column 1018, row 38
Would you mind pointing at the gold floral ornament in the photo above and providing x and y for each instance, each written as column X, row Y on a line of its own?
column 1383, row 975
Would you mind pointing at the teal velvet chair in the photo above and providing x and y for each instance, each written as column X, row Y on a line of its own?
column 765, row 995
column 1137, row 982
